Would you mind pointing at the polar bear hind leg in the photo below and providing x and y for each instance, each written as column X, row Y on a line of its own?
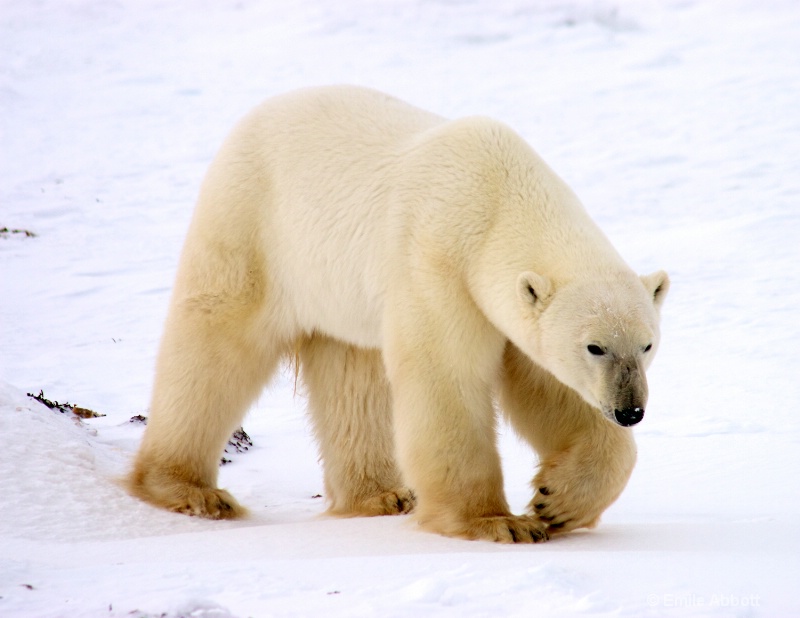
column 350, row 404
column 219, row 349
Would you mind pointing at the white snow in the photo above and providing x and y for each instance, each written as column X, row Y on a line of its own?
column 677, row 122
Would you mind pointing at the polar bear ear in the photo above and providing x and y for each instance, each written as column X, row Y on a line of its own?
column 657, row 284
column 533, row 288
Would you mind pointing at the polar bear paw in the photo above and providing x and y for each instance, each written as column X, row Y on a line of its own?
column 574, row 487
column 562, row 507
column 393, row 502
column 188, row 498
column 210, row 503
column 505, row 529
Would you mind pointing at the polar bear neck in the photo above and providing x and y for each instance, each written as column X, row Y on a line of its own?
column 545, row 228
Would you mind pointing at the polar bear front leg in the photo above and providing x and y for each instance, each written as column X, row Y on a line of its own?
column 350, row 402
column 441, row 369
column 585, row 460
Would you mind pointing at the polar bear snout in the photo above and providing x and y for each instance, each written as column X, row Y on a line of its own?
column 628, row 417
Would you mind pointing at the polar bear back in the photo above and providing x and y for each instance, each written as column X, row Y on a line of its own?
column 339, row 191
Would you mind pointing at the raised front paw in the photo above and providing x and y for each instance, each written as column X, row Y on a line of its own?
column 564, row 501
column 556, row 513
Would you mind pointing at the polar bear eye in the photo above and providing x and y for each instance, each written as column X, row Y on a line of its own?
column 596, row 350
column 648, row 347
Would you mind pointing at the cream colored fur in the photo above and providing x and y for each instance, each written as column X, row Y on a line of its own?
column 418, row 267
column 350, row 403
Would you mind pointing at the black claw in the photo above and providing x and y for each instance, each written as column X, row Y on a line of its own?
column 539, row 506
column 559, row 525
column 544, row 491
column 546, row 518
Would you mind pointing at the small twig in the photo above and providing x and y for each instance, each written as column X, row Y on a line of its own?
column 65, row 407
column 27, row 233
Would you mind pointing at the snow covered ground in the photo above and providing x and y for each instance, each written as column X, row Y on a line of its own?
column 677, row 122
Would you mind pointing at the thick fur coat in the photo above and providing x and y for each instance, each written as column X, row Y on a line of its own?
column 420, row 270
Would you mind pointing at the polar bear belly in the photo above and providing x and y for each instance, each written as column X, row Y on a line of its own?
column 329, row 272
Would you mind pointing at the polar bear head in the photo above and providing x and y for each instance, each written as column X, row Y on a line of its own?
column 597, row 336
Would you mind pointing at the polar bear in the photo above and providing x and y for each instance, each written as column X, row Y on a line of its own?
column 420, row 271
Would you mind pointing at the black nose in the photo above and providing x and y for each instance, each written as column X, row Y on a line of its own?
column 629, row 416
